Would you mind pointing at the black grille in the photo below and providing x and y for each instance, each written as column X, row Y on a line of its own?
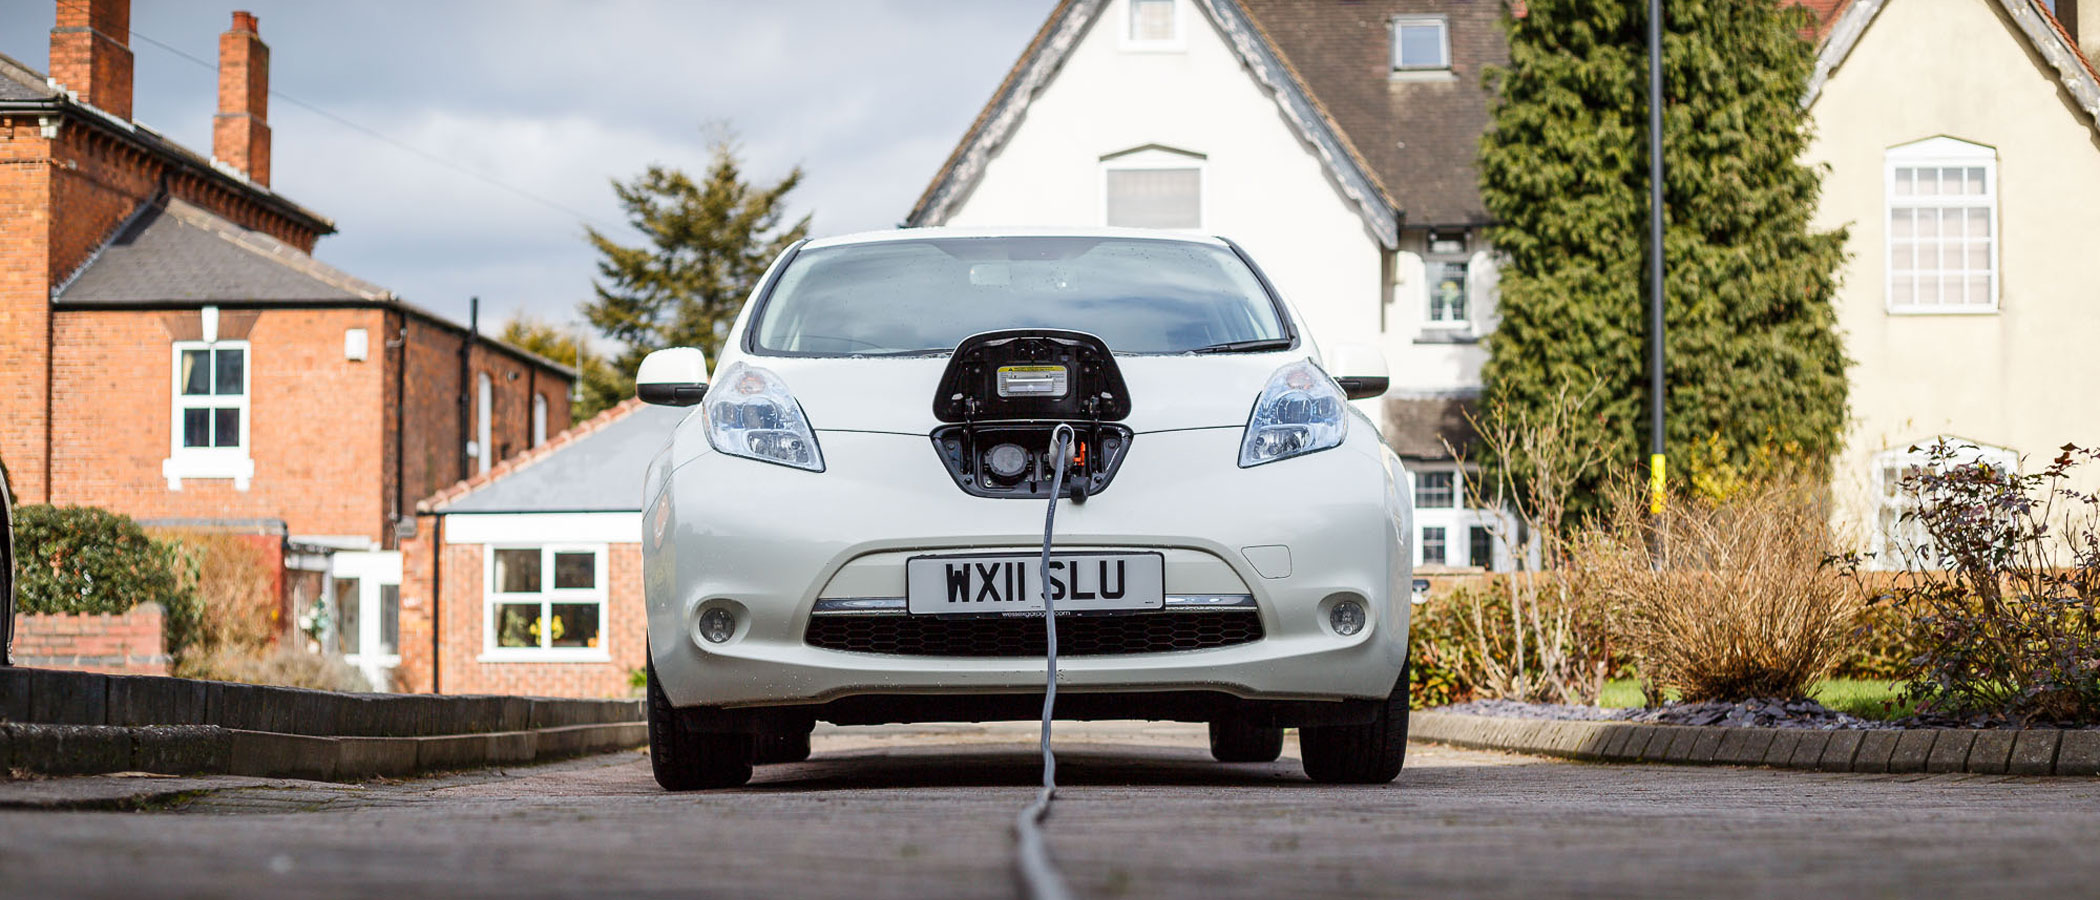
column 1076, row 636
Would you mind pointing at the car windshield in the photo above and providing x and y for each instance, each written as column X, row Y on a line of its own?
column 908, row 297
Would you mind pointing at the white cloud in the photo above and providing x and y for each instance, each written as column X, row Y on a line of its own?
column 557, row 98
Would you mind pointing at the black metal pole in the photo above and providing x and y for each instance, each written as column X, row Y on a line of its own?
column 1657, row 473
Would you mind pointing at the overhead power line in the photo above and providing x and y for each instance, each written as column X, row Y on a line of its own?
column 378, row 135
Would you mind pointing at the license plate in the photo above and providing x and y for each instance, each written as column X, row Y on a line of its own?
column 1010, row 583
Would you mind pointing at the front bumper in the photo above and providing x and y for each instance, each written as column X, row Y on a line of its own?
column 766, row 542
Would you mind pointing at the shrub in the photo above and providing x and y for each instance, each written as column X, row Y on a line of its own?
column 233, row 583
column 2002, row 600
column 1743, row 603
column 1528, row 635
column 80, row 559
column 283, row 666
column 1439, row 672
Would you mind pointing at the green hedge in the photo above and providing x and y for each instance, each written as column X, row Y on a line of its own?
column 80, row 559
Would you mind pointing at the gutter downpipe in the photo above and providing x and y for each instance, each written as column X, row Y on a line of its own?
column 437, row 590
column 400, row 421
column 466, row 387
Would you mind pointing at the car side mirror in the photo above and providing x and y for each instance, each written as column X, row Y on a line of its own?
column 1359, row 369
column 673, row 377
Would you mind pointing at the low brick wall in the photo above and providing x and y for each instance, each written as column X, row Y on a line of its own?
column 128, row 644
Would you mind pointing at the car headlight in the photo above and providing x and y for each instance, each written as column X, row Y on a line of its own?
column 751, row 414
column 1300, row 411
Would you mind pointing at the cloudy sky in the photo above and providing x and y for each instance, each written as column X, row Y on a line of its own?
column 555, row 98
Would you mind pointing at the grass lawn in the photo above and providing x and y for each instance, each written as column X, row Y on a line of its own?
column 1866, row 698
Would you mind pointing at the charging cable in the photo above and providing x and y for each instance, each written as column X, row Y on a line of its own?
column 1038, row 877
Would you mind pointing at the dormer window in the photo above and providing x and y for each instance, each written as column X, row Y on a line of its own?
column 1153, row 187
column 1449, row 269
column 1153, row 25
column 1421, row 44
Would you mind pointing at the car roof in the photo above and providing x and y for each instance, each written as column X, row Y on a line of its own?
column 928, row 234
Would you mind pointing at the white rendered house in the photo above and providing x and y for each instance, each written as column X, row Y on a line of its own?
column 1335, row 144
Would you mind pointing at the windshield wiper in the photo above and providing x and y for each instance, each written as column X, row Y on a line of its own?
column 1246, row 346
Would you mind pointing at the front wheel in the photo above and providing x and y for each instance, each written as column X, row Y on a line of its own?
column 1371, row 753
column 687, row 760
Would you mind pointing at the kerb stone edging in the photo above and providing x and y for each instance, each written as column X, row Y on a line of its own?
column 2040, row 751
column 74, row 723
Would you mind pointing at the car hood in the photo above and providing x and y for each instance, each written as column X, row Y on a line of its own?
column 1167, row 393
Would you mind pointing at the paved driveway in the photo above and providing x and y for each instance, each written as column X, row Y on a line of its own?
column 926, row 812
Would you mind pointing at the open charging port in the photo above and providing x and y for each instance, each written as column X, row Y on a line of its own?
column 1007, row 391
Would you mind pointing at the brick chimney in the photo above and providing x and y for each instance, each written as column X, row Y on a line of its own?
column 91, row 53
column 240, row 133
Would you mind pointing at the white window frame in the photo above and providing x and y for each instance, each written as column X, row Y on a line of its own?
column 1935, row 153
column 539, row 419
column 236, row 462
column 1458, row 488
column 1890, row 500
column 1458, row 521
column 1431, row 260
column 1443, row 25
column 1132, row 43
column 1159, row 158
column 549, row 595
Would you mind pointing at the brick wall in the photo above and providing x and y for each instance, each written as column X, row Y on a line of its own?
column 25, row 309
column 321, row 428
column 433, row 449
column 128, row 644
column 60, row 200
column 316, row 431
column 463, row 636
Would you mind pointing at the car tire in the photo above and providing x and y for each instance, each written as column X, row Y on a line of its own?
column 791, row 747
column 1234, row 741
column 1371, row 753
column 688, row 760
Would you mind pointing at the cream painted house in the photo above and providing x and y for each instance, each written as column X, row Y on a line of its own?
column 1336, row 143
column 1964, row 156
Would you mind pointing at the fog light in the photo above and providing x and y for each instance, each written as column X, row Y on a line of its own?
column 1347, row 617
column 717, row 625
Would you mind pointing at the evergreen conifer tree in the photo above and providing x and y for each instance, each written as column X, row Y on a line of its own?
column 1754, row 361
column 598, row 386
column 706, row 243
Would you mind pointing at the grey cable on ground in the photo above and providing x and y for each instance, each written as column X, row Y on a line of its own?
column 1039, row 878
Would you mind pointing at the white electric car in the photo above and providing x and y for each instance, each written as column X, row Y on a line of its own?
column 848, row 528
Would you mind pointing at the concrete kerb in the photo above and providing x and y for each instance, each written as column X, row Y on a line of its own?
column 2078, row 753
column 1991, row 752
column 1899, row 751
column 1809, row 751
column 1875, row 748
column 61, row 722
column 1780, row 749
column 1950, row 751
column 2034, row 752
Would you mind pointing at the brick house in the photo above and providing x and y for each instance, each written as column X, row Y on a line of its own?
column 532, row 572
column 169, row 348
column 1335, row 139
